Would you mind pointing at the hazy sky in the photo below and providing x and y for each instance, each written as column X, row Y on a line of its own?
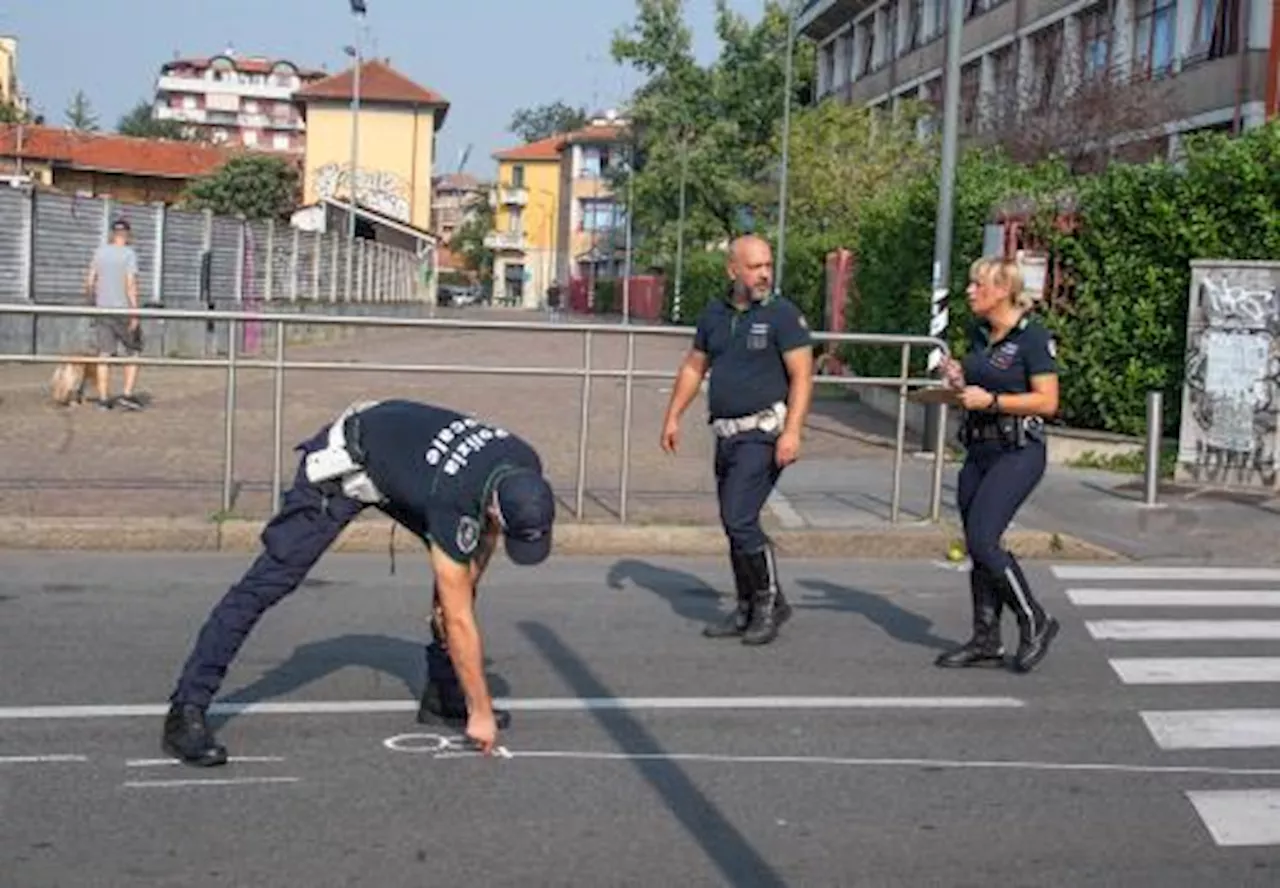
column 488, row 57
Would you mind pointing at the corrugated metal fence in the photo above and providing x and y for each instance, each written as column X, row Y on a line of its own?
column 186, row 259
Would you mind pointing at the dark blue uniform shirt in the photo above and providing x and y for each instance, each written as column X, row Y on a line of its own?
column 1006, row 366
column 745, row 347
column 437, row 468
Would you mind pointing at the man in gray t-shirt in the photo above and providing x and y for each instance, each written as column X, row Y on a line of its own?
column 112, row 282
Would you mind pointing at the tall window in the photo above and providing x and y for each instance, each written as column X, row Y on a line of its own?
column 1095, row 39
column 1153, row 35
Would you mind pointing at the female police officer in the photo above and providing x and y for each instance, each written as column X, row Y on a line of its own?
column 1008, row 384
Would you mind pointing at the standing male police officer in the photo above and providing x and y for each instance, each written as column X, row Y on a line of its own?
column 758, row 349
column 454, row 481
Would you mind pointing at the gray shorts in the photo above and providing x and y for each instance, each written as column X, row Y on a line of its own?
column 112, row 332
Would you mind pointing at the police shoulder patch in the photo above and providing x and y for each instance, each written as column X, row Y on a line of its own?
column 1053, row 348
column 468, row 534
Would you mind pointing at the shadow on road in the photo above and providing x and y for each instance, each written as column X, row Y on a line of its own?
column 399, row 658
column 896, row 622
column 688, row 595
column 727, row 848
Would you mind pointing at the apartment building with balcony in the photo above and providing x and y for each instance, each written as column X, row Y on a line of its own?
column 1213, row 62
column 526, row 201
column 455, row 198
column 237, row 100
column 592, row 221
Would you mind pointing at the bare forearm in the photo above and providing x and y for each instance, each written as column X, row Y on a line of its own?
column 468, row 662
column 1029, row 404
column 800, row 389
column 799, row 400
column 684, row 391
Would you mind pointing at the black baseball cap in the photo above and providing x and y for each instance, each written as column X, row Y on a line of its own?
column 121, row 224
column 528, row 510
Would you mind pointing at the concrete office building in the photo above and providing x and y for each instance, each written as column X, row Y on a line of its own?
column 1212, row 62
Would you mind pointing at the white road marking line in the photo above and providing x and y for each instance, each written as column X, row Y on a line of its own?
column 1181, row 630
column 952, row 764
column 40, row 759
column 1196, row 670
column 1239, row 817
column 1173, row 598
column 1215, row 728
column 240, row 760
column 532, row 704
column 215, row 781
column 1135, row 572
column 787, row 514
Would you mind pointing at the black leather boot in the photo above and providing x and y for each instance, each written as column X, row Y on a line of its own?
column 770, row 608
column 187, row 737
column 736, row 622
column 442, row 698
column 985, row 647
column 1036, row 628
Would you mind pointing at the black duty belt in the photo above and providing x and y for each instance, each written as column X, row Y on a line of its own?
column 1014, row 431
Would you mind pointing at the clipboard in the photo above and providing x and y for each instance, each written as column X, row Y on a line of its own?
column 949, row 397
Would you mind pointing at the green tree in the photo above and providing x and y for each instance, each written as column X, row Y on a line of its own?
column 255, row 186
column 140, row 122
column 468, row 241
column 544, row 121
column 844, row 157
column 80, row 115
column 714, row 126
column 10, row 113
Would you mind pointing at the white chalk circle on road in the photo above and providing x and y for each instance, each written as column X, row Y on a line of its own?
column 429, row 743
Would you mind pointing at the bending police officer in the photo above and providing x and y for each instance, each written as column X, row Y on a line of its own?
column 758, row 350
column 455, row 482
column 1008, row 384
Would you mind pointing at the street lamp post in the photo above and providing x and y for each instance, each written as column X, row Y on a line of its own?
column 946, row 192
column 780, row 263
column 358, row 10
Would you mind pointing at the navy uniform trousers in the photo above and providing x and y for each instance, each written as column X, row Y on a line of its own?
column 994, row 482
column 746, row 472
column 310, row 520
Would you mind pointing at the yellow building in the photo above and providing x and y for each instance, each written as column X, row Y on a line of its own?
column 526, row 222
column 395, row 154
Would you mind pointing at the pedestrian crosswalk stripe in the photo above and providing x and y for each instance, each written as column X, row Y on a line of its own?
column 1137, row 572
column 1196, row 670
column 1183, row 630
column 1239, row 817
column 1173, row 598
column 1214, row 728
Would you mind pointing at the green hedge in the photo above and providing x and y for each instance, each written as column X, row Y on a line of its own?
column 1123, row 331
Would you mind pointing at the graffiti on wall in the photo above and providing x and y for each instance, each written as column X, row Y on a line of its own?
column 376, row 189
column 1232, row 387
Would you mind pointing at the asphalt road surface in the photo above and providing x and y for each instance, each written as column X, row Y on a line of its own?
column 1143, row 752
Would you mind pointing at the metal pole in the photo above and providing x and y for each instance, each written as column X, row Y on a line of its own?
column 780, row 260
column 946, row 196
column 626, row 273
column 583, row 425
column 1155, row 423
column 627, row 388
column 939, row 450
column 229, row 420
column 355, row 150
column 900, row 436
column 684, row 175
column 277, row 419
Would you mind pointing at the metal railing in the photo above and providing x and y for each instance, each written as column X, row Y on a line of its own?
column 232, row 362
